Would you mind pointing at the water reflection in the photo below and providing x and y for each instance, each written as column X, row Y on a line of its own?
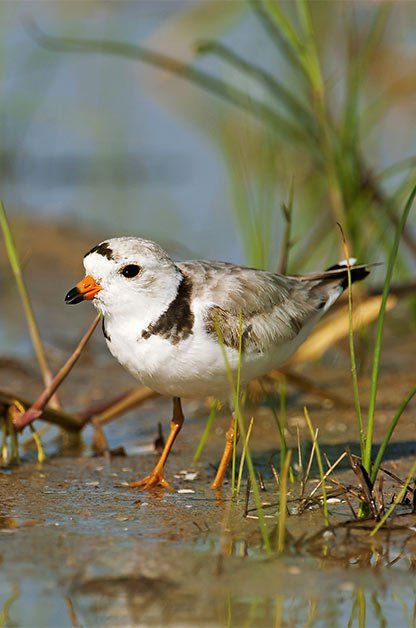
column 361, row 599
column 5, row 619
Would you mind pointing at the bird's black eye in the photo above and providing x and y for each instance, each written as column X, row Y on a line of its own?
column 131, row 270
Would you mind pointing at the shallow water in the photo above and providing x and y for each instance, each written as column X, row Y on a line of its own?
column 74, row 544
column 77, row 547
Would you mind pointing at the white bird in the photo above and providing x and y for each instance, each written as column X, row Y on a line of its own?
column 169, row 323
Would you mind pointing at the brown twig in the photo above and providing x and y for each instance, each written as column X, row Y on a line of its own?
column 364, row 482
column 36, row 409
column 56, row 417
column 127, row 402
column 100, row 406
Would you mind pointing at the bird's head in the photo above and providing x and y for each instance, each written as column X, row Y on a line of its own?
column 127, row 272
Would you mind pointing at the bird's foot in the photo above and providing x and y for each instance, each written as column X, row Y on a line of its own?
column 155, row 479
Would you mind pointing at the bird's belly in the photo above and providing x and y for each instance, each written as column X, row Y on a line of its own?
column 193, row 367
column 190, row 368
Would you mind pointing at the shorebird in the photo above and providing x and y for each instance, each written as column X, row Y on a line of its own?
column 169, row 323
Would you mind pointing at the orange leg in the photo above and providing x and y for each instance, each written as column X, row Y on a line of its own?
column 156, row 477
column 226, row 456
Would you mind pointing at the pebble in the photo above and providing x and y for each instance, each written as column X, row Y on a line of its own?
column 297, row 421
column 185, row 490
column 346, row 586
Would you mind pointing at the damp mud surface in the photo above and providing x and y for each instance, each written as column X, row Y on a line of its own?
column 79, row 548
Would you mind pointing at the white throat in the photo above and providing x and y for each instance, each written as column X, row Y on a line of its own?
column 126, row 307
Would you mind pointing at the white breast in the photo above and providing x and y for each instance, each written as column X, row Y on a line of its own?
column 195, row 366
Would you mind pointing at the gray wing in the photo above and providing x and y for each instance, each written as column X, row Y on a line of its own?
column 274, row 308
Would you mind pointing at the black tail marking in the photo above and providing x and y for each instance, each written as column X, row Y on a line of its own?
column 357, row 274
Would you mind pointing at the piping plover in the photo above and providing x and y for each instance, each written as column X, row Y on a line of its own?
column 162, row 320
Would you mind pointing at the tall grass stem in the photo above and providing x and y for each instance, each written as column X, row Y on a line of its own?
column 379, row 333
column 388, row 434
column 27, row 305
column 281, row 533
column 352, row 347
column 397, row 500
column 212, row 414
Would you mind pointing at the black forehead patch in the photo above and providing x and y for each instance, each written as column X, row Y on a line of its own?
column 102, row 249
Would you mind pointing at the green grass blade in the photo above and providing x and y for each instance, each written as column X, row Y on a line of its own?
column 278, row 90
column 356, row 71
column 397, row 501
column 281, row 530
column 388, row 435
column 225, row 91
column 243, row 456
column 282, row 423
column 24, row 296
column 237, row 401
column 253, row 480
column 311, row 59
column 243, row 433
column 273, row 31
column 379, row 334
column 353, row 360
column 208, row 425
column 286, row 30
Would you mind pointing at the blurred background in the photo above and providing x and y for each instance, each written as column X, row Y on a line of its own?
column 255, row 128
column 106, row 143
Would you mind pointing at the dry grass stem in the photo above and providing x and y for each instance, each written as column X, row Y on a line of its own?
column 327, row 474
column 283, row 504
column 56, row 417
column 243, row 455
column 133, row 399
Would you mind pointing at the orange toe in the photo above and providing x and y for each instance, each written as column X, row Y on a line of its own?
column 150, row 481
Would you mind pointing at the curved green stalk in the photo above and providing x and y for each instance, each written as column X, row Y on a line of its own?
column 273, row 86
column 212, row 414
column 388, row 435
column 397, row 501
column 203, row 79
column 379, row 334
column 27, row 305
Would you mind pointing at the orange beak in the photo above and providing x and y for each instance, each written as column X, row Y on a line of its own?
column 86, row 289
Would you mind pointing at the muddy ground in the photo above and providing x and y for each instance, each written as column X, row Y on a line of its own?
column 77, row 547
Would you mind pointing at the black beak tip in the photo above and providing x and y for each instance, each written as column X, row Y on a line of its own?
column 74, row 296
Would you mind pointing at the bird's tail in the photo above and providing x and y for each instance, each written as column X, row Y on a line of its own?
column 340, row 270
column 331, row 283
